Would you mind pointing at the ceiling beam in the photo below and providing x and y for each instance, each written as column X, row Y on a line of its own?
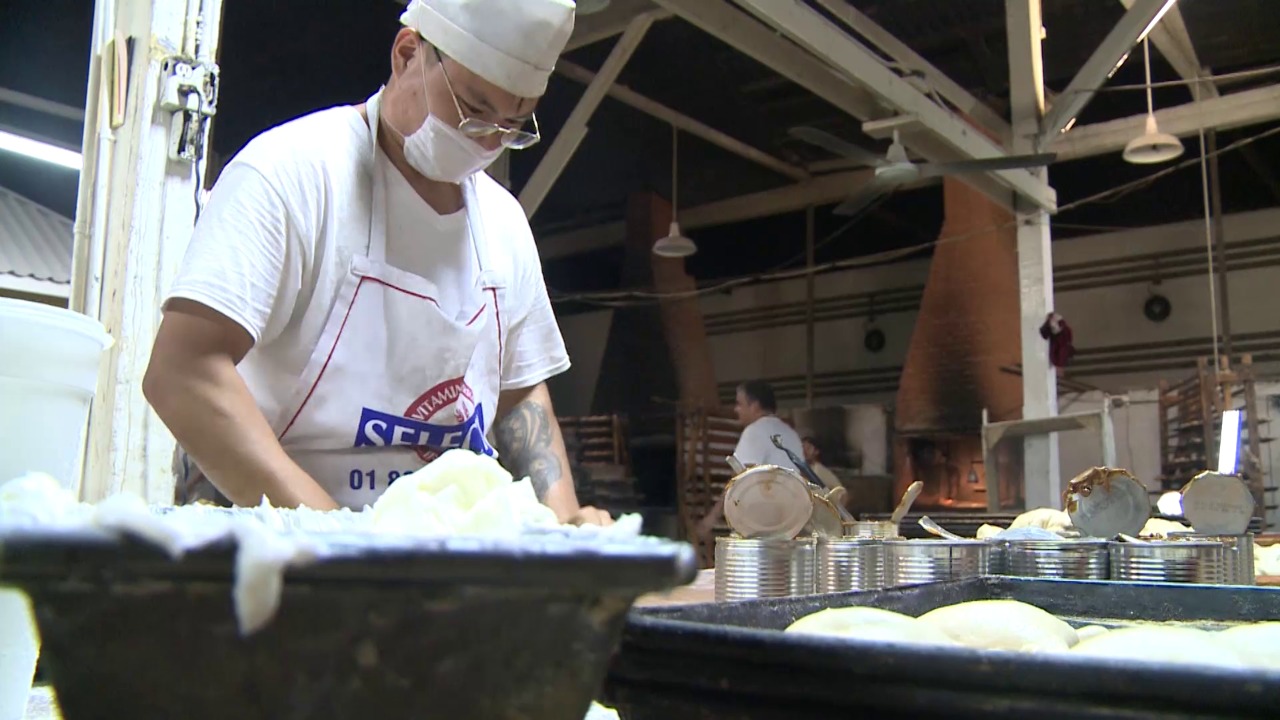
column 39, row 104
column 1174, row 42
column 627, row 96
column 951, row 135
column 962, row 99
column 1137, row 21
column 1249, row 107
column 739, row 31
column 613, row 20
column 820, row 190
column 1229, row 111
column 575, row 127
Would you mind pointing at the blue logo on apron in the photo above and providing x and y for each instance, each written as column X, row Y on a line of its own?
column 380, row 429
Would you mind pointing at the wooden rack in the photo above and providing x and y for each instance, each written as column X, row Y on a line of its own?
column 1190, row 414
column 598, row 452
column 703, row 440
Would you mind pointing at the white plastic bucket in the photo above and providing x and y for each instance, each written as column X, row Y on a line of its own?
column 19, row 648
column 49, row 361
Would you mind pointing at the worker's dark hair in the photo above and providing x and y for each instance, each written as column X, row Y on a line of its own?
column 761, row 392
column 816, row 447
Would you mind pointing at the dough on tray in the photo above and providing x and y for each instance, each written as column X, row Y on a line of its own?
column 1161, row 644
column 868, row 623
column 1088, row 631
column 1258, row 645
column 1002, row 625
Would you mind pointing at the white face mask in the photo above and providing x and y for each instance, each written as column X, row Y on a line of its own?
column 442, row 153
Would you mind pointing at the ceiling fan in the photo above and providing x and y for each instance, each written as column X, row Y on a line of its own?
column 896, row 169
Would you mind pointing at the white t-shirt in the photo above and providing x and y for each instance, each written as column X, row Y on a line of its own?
column 273, row 245
column 756, row 447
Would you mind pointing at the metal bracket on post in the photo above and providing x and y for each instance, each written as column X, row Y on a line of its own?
column 190, row 92
column 992, row 433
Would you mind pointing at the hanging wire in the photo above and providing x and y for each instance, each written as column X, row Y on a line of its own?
column 675, row 159
column 1146, row 64
column 1208, row 229
column 632, row 298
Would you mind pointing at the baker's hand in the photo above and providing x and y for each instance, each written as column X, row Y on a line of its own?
column 588, row 515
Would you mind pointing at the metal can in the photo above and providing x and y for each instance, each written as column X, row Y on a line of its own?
column 912, row 562
column 1177, row 561
column 879, row 529
column 1237, row 551
column 1083, row 559
column 846, row 564
column 750, row 568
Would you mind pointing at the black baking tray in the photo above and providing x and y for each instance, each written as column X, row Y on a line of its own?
column 378, row 627
column 728, row 661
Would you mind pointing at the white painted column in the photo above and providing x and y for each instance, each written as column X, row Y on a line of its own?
column 1042, row 478
column 574, row 129
column 134, row 219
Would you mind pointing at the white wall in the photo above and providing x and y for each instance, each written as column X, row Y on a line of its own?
column 1137, row 437
column 585, row 336
column 1099, row 317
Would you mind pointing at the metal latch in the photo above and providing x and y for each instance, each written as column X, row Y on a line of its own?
column 190, row 92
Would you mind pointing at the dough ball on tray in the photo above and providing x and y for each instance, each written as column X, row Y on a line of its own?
column 868, row 623
column 1002, row 625
column 1258, row 645
column 1161, row 644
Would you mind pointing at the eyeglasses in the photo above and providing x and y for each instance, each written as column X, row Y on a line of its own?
column 475, row 128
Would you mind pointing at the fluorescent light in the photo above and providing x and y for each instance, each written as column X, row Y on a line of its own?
column 1230, row 445
column 39, row 150
column 1156, row 20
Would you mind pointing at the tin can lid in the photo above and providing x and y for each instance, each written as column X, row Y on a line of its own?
column 767, row 502
column 1105, row 502
column 825, row 520
column 1217, row 504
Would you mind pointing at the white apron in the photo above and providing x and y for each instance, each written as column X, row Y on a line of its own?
column 393, row 381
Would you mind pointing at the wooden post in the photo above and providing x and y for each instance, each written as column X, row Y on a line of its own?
column 139, row 218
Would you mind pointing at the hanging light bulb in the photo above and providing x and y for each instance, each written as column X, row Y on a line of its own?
column 1152, row 146
column 675, row 244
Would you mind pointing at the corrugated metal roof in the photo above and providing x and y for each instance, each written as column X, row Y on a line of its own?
column 35, row 242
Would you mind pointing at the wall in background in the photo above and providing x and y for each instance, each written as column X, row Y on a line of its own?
column 1101, row 283
column 585, row 336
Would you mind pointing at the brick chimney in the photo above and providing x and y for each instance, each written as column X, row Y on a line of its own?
column 967, row 330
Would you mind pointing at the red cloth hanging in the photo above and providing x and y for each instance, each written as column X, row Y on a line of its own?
column 1058, row 333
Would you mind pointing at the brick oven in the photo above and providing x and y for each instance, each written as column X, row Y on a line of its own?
column 967, row 330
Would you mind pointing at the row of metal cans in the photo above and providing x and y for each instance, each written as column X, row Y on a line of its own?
column 763, row 568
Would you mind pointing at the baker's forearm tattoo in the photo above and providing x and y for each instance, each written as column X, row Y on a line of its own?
column 525, row 437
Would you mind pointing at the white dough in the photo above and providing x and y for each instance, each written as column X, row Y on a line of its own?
column 1002, row 625
column 834, row 621
column 1161, row 644
column 1088, row 631
column 1047, row 518
column 460, row 493
column 1258, row 645
column 1266, row 559
column 868, row 623
column 1159, row 528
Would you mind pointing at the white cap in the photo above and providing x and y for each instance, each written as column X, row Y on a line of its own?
column 513, row 45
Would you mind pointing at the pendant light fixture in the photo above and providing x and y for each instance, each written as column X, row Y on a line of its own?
column 675, row 244
column 1152, row 146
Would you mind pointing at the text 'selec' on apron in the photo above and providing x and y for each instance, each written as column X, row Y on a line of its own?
column 393, row 380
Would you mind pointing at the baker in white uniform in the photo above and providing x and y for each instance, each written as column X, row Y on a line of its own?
column 359, row 296
column 755, row 405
